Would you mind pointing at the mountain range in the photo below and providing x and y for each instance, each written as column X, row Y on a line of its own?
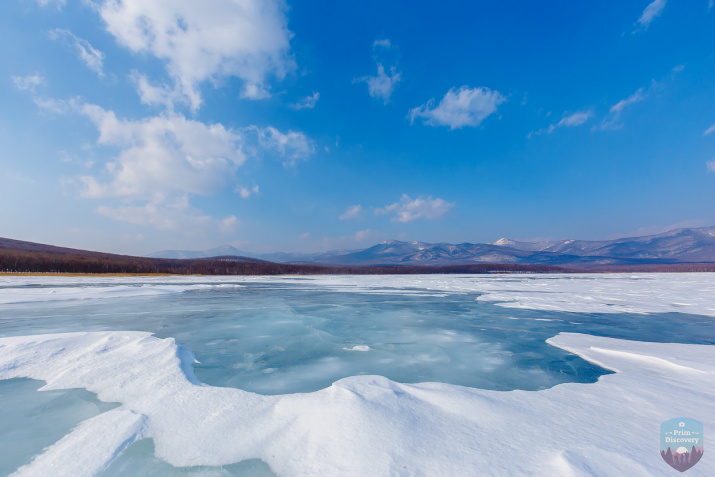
column 685, row 245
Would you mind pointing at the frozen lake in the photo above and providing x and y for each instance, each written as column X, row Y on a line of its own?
column 280, row 339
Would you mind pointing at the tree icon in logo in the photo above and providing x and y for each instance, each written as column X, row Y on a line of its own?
column 681, row 442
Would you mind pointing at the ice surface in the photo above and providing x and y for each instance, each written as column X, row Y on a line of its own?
column 369, row 425
column 282, row 335
column 40, row 288
column 582, row 293
column 31, row 420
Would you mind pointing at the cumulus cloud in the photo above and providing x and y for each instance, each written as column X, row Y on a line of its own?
column 353, row 212
column 383, row 84
column 408, row 209
column 613, row 120
column 459, row 108
column 291, row 146
column 653, row 10
column 709, row 130
column 90, row 56
column 198, row 42
column 308, row 102
column 571, row 120
column 162, row 156
column 28, row 83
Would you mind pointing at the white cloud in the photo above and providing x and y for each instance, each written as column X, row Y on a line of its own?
column 162, row 156
column 711, row 3
column 575, row 119
column 248, row 39
column 308, row 102
column 459, row 108
column 51, row 105
column 653, row 10
column 58, row 4
column 255, row 91
column 173, row 215
column 612, row 121
column 163, row 160
column 385, row 43
column 353, row 212
column 245, row 192
column 710, row 165
column 382, row 85
column 362, row 235
column 291, row 146
column 28, row 83
column 157, row 95
column 408, row 209
column 90, row 56
column 709, row 130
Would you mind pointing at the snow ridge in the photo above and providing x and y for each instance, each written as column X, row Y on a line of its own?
column 369, row 425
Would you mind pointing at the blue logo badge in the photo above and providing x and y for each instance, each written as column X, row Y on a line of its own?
column 681, row 442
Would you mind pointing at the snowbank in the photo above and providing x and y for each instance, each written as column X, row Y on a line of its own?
column 369, row 425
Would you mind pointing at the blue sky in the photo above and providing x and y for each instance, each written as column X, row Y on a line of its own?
column 134, row 126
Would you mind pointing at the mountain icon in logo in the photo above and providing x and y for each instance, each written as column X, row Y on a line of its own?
column 681, row 442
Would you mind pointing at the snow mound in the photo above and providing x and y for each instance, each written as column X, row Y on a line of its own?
column 369, row 425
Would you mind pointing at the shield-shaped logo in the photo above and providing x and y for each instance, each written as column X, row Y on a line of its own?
column 681, row 442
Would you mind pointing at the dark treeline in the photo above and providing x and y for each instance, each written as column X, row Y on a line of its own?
column 652, row 268
column 20, row 261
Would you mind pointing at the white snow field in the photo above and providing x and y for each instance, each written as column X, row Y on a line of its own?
column 583, row 293
column 369, row 425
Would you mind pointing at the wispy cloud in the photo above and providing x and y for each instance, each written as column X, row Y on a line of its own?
column 308, row 102
column 290, row 146
column 58, row 4
column 709, row 130
column 353, row 212
column 246, row 192
column 383, row 84
column 408, row 209
column 653, row 10
column 575, row 119
column 89, row 55
column 362, row 235
column 384, row 43
column 710, row 165
column 28, row 83
column 459, row 108
column 613, row 119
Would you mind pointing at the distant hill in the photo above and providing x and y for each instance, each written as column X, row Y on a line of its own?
column 678, row 246
column 18, row 256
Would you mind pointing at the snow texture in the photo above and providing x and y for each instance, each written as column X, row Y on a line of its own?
column 369, row 425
